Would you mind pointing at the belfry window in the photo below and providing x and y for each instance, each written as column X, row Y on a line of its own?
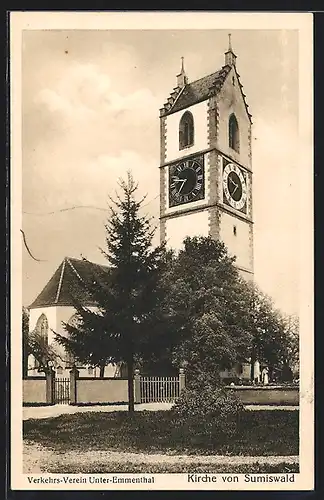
column 186, row 130
column 233, row 134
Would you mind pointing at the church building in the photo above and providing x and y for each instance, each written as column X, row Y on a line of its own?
column 205, row 190
column 206, row 163
column 55, row 306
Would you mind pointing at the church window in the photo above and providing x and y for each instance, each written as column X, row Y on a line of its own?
column 70, row 359
column 42, row 328
column 233, row 133
column 234, row 230
column 186, row 130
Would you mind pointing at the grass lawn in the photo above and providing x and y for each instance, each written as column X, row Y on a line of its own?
column 261, row 433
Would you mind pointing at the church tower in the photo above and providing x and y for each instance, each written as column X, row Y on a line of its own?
column 206, row 163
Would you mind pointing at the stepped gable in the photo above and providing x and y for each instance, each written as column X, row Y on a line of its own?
column 69, row 281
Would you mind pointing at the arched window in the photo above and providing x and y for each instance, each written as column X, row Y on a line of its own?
column 42, row 328
column 69, row 356
column 233, row 134
column 186, row 130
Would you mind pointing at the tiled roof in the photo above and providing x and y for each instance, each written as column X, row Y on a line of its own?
column 197, row 91
column 69, row 282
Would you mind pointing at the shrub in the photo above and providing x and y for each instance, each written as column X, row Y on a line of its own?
column 212, row 412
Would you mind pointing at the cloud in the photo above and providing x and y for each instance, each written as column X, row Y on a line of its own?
column 60, row 103
column 111, row 168
column 84, row 90
column 68, row 180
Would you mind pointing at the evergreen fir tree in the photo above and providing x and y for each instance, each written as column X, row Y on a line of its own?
column 122, row 327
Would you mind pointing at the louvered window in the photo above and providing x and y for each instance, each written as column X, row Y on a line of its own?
column 233, row 133
column 186, row 130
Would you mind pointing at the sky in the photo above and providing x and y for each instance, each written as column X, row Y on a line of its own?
column 90, row 112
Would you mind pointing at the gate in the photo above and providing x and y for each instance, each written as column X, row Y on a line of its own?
column 62, row 391
column 159, row 389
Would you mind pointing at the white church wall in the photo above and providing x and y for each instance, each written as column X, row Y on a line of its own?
column 55, row 316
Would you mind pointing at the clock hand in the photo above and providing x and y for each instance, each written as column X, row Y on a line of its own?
column 178, row 180
column 234, row 183
column 183, row 183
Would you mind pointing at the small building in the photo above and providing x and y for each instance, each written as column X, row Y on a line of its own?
column 54, row 305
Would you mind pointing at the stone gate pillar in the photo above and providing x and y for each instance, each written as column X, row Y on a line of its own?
column 50, row 387
column 137, row 386
column 74, row 374
column 182, row 380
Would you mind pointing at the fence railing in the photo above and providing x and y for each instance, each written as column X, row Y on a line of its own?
column 158, row 389
column 78, row 390
column 62, row 391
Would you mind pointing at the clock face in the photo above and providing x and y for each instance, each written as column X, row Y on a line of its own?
column 186, row 182
column 234, row 186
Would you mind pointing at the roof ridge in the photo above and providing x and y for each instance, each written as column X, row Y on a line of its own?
column 60, row 282
column 205, row 86
column 74, row 258
column 86, row 260
column 73, row 269
column 206, row 76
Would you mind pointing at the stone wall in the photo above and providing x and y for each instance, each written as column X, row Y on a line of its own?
column 267, row 395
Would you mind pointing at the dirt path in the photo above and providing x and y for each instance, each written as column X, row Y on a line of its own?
column 37, row 459
column 40, row 412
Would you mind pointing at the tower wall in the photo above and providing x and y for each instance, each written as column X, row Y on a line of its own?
column 230, row 100
column 215, row 215
column 199, row 112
